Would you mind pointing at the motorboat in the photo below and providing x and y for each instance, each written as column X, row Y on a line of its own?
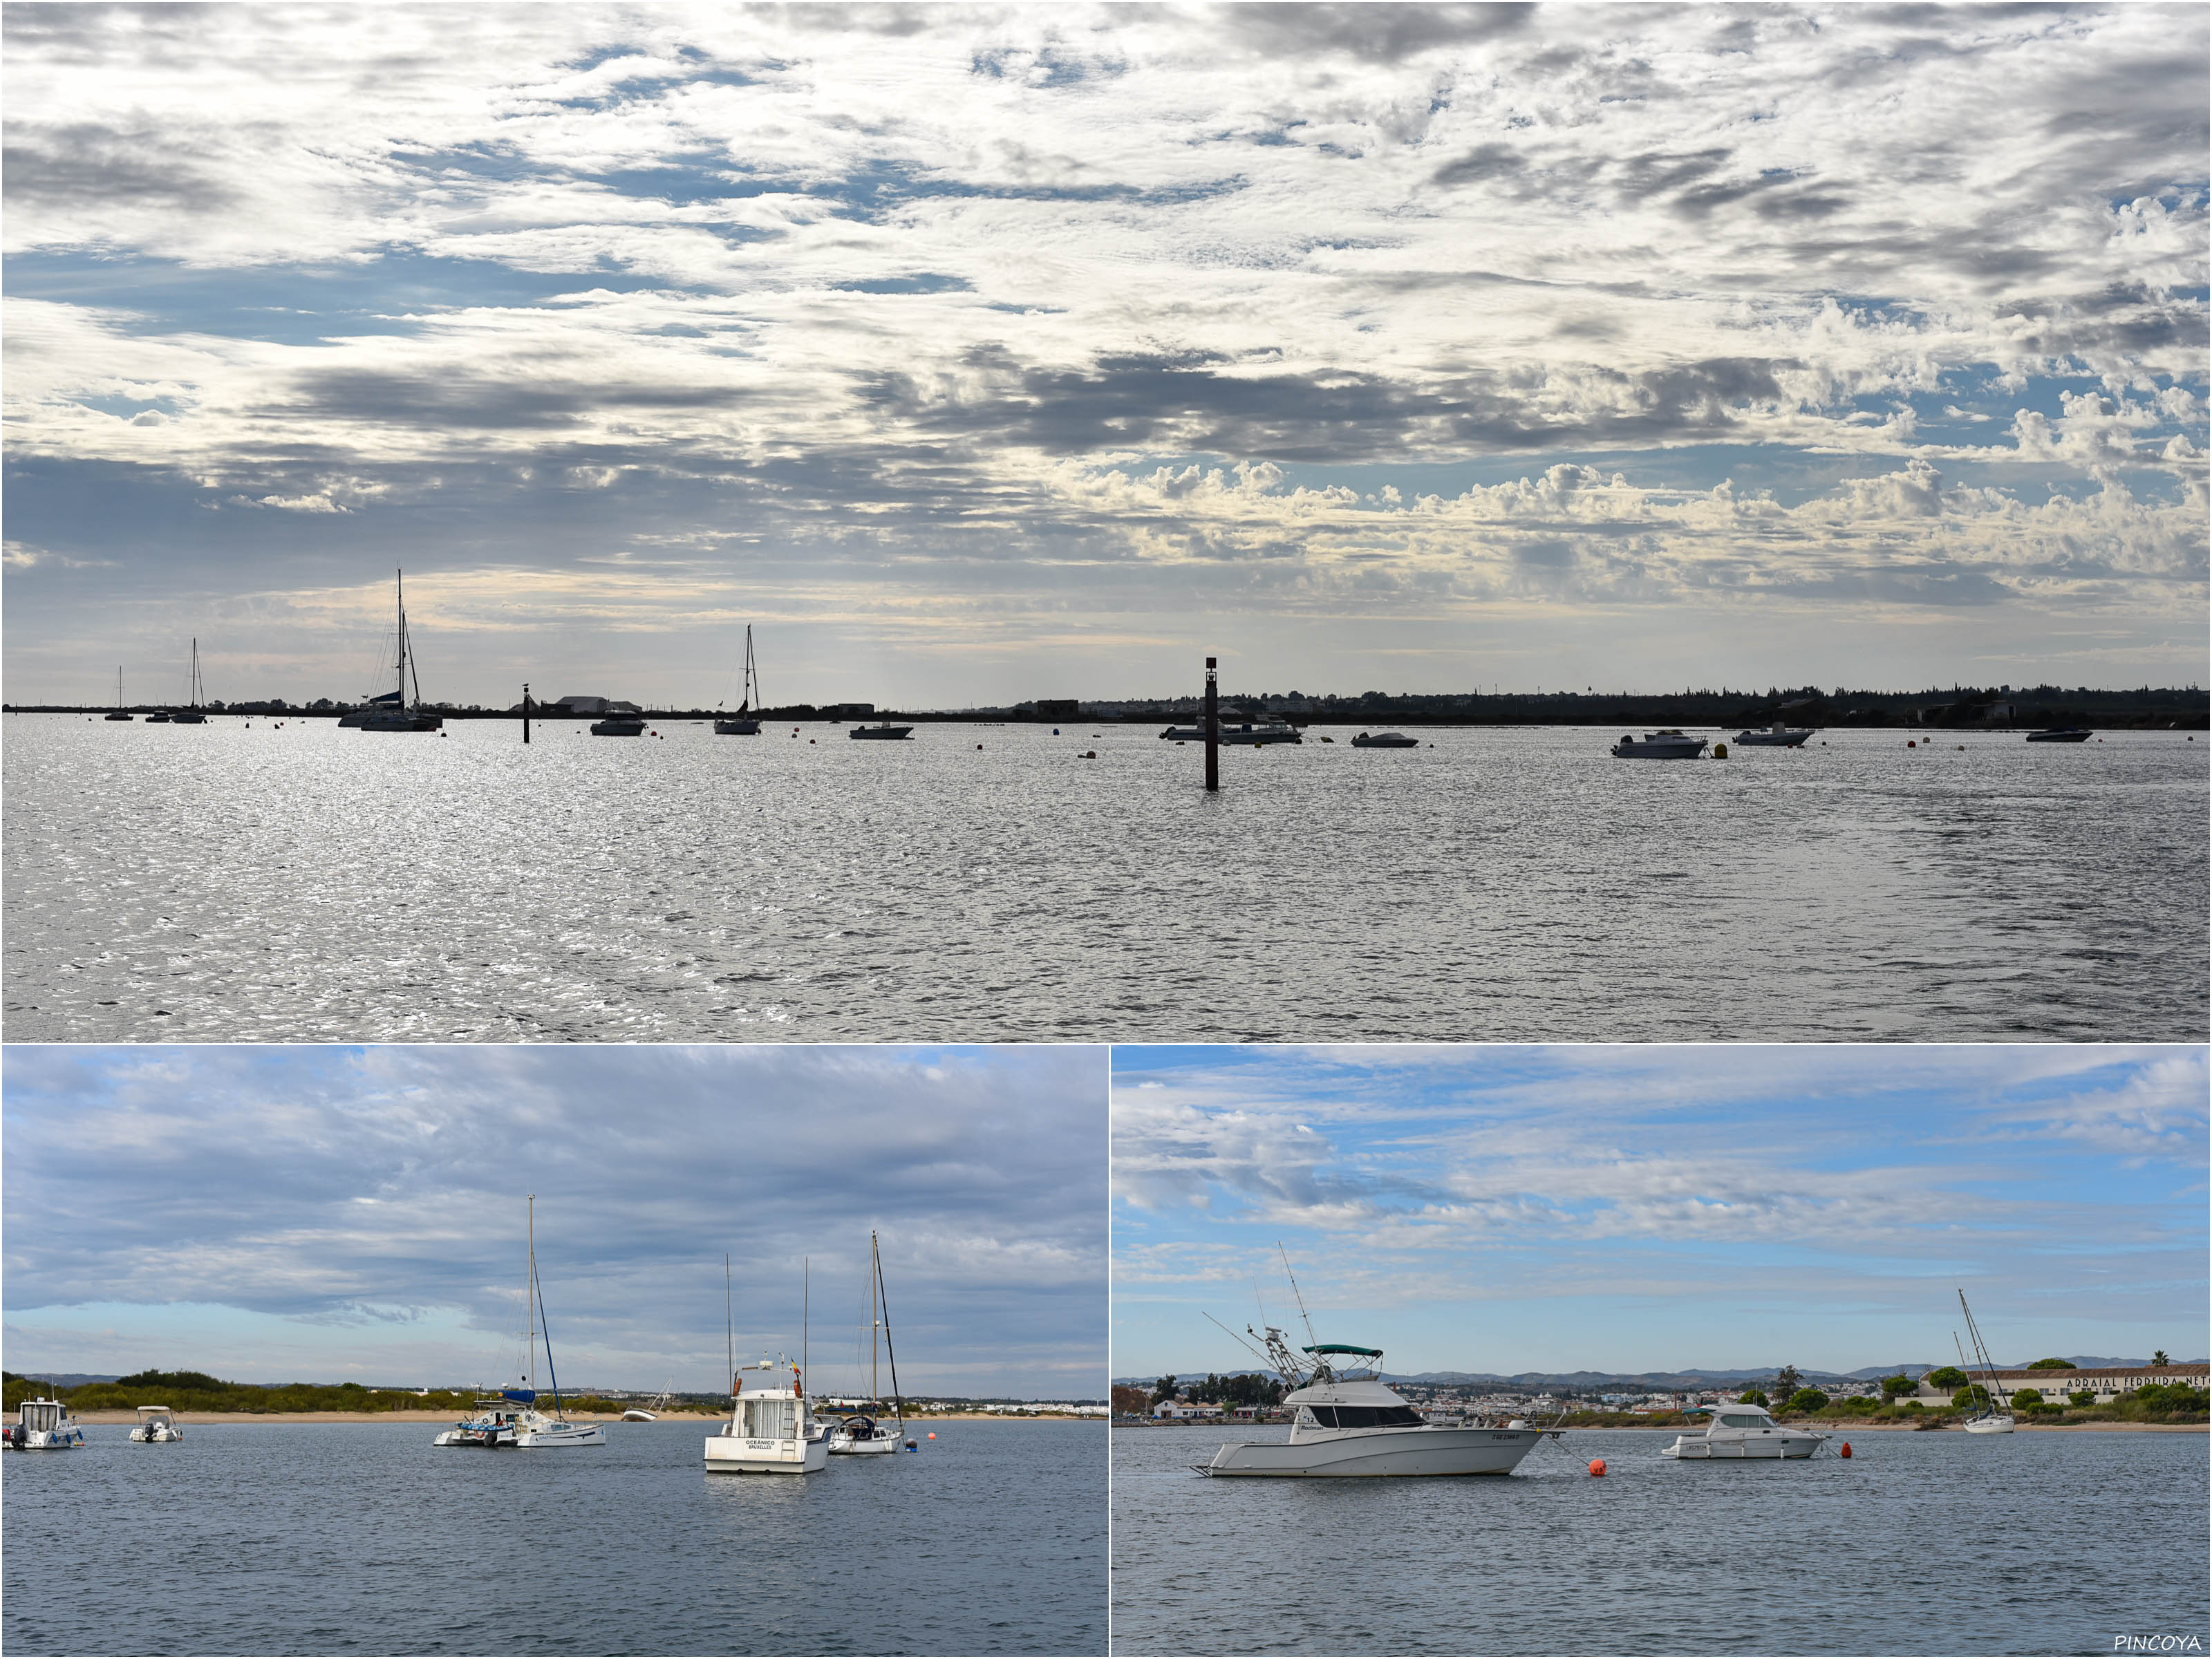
column 1385, row 740
column 744, row 723
column 1988, row 1417
column 512, row 1418
column 1743, row 1432
column 884, row 730
column 2062, row 735
column 159, row 717
column 43, row 1425
column 1255, row 733
column 1349, row 1423
column 1666, row 745
column 619, row 725
column 862, row 1435
column 157, row 1425
column 121, row 713
column 770, row 1430
column 391, row 712
column 1780, row 735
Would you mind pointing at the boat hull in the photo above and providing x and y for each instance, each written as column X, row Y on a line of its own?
column 1991, row 1425
column 618, row 728
column 390, row 722
column 155, row 1436
column 731, row 1454
column 885, row 733
column 565, row 1434
column 1685, row 749
column 1771, row 740
column 1369, row 1452
column 1738, row 1451
column 743, row 728
column 841, row 1446
column 2058, row 737
column 1363, row 741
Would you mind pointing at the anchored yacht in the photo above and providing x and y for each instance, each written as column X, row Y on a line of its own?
column 770, row 1430
column 1780, row 735
column 43, row 1425
column 511, row 1418
column 157, row 1425
column 1349, row 1422
column 1668, row 745
column 1739, row 1432
column 862, row 1435
column 1385, row 740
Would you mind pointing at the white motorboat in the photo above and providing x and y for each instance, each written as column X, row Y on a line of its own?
column 744, row 723
column 1743, row 1432
column 1780, row 735
column 884, row 730
column 511, row 1418
column 1385, row 740
column 619, row 725
column 1242, row 732
column 1989, row 1417
column 157, row 1425
column 2062, row 735
column 862, row 1435
column 1666, row 745
column 1351, row 1423
column 770, row 1430
column 392, row 712
column 43, row 1425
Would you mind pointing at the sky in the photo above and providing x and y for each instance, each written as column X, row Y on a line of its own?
column 971, row 353
column 325, row 1214
column 1633, row 1208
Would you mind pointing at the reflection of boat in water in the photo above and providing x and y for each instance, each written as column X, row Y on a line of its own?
column 391, row 712
column 1385, row 740
column 157, row 1425
column 885, row 730
column 1734, row 1432
column 511, row 1418
column 770, row 1430
column 43, row 1425
column 861, row 1435
column 1987, row 1417
column 1666, row 745
column 1780, row 735
column 2061, row 734
column 744, row 723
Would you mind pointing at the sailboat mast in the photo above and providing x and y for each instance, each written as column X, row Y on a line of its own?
column 399, row 684
column 875, row 1317
column 530, row 1304
column 804, row 1286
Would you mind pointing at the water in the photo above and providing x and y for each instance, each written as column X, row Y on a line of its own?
column 363, row 1537
column 309, row 884
column 2055, row 1542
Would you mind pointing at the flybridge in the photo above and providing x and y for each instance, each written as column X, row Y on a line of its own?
column 1341, row 1347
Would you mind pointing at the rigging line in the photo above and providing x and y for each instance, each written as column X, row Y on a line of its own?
column 1298, row 1293
column 546, row 1331
column 1240, row 1339
column 898, row 1404
column 730, row 1336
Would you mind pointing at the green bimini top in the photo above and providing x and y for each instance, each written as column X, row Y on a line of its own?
column 1345, row 1347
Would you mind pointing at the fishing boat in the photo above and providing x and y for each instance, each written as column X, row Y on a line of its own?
column 770, row 1429
column 390, row 711
column 1350, row 1423
column 191, row 713
column 511, row 1418
column 43, row 1425
column 1385, row 740
column 744, row 723
column 1780, row 735
column 2062, row 735
column 1987, row 1417
column 1666, row 745
column 120, row 713
column 157, row 1426
column 863, row 1435
column 884, row 730
column 1736, row 1432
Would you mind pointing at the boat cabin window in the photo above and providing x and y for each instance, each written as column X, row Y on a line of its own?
column 770, row 1419
column 1741, row 1420
column 1365, row 1417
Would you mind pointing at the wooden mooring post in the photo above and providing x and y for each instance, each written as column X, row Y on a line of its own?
column 1212, row 730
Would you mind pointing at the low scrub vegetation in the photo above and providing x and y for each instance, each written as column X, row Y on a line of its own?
column 196, row 1391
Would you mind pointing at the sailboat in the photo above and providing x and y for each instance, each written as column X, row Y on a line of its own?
column 744, row 723
column 192, row 714
column 1990, row 1419
column 120, row 713
column 862, row 1435
column 511, row 1417
column 392, row 712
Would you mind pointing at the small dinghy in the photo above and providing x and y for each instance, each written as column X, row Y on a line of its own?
column 157, row 1425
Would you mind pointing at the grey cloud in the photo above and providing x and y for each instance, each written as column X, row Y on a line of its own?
column 90, row 163
column 1381, row 34
column 1483, row 162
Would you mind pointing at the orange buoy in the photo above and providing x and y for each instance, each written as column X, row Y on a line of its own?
column 1847, row 1449
column 933, row 1433
column 1597, row 1466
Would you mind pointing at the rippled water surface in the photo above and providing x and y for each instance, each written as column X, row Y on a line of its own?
column 363, row 1538
column 1923, row 1543
column 309, row 884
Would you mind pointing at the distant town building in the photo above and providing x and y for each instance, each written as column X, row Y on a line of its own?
column 1184, row 1411
column 580, row 705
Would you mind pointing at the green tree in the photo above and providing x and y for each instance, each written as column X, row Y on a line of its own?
column 2027, row 1400
column 1787, row 1381
column 2052, row 1365
column 2160, row 1358
column 1893, row 1386
column 1947, row 1376
column 1163, row 1389
column 2086, row 1397
column 1807, row 1400
column 1971, row 1398
column 1752, row 1397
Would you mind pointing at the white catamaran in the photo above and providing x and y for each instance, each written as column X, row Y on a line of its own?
column 744, row 723
column 392, row 712
column 863, row 1435
column 1989, row 1417
column 511, row 1417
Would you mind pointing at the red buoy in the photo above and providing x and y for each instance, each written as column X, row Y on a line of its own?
column 1597, row 1466
column 1909, row 743
column 1847, row 1449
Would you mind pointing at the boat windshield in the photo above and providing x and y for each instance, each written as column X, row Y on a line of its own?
column 1742, row 1420
column 1367, row 1417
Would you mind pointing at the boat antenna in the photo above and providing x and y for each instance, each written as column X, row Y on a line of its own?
column 729, row 1313
column 898, row 1403
column 1296, row 1292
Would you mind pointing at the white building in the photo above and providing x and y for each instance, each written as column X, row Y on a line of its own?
column 1183, row 1411
column 2107, row 1382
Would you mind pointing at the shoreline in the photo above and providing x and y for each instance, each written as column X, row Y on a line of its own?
column 191, row 1419
column 1810, row 1423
